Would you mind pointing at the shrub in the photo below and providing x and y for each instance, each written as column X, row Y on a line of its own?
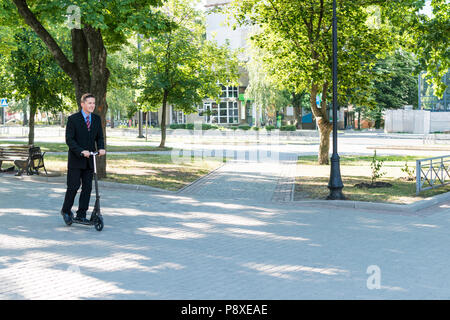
column 288, row 128
column 207, row 126
column 376, row 168
column 268, row 128
column 177, row 126
column 255, row 128
column 233, row 127
column 410, row 172
column 244, row 127
column 190, row 126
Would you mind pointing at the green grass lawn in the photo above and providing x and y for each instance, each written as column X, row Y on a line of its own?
column 62, row 147
column 312, row 184
column 154, row 170
column 363, row 160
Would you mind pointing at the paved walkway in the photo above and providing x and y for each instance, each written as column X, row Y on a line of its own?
column 235, row 234
column 169, row 246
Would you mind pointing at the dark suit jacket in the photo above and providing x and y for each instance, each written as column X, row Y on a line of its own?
column 78, row 138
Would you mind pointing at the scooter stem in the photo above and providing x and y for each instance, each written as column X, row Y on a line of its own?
column 93, row 154
column 95, row 175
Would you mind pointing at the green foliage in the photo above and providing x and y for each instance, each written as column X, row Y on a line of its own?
column 262, row 90
column 116, row 20
column 207, row 126
column 296, row 39
column 177, row 126
column 396, row 84
column 410, row 172
column 431, row 35
column 190, row 126
column 244, row 127
column 255, row 128
column 269, row 128
column 181, row 64
column 288, row 128
column 376, row 166
column 29, row 72
column 425, row 35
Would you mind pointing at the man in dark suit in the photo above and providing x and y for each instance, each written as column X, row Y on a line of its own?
column 83, row 132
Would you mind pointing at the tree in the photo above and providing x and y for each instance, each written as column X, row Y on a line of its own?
column 425, row 35
column 35, row 77
column 95, row 26
column 181, row 67
column 123, row 82
column 297, row 38
column 394, row 86
column 265, row 94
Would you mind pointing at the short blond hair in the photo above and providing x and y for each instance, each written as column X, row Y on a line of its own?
column 86, row 96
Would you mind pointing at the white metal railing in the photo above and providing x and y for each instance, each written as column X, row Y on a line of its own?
column 432, row 173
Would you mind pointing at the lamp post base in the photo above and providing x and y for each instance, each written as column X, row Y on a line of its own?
column 335, row 184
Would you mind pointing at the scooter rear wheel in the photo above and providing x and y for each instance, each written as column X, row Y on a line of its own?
column 99, row 224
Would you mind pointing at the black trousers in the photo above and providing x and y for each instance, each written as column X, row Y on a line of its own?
column 75, row 178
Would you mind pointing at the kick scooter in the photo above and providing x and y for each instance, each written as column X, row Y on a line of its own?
column 96, row 217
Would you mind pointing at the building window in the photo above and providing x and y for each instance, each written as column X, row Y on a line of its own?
column 178, row 116
column 229, row 92
column 226, row 112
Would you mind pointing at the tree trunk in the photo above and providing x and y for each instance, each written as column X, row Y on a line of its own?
column 324, row 147
column 296, row 103
column 163, row 120
column 322, row 121
column 33, row 109
column 88, row 70
column 378, row 119
column 91, row 77
column 112, row 119
column 359, row 120
column 25, row 115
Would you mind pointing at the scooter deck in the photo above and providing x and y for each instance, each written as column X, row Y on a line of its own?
column 88, row 223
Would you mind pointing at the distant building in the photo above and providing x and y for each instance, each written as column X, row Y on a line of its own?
column 433, row 114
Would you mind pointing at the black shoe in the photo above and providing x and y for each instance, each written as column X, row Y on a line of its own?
column 81, row 219
column 70, row 214
column 67, row 217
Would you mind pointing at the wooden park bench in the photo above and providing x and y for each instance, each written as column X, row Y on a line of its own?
column 27, row 158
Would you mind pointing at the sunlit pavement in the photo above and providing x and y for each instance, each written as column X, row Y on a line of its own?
column 232, row 235
column 209, row 246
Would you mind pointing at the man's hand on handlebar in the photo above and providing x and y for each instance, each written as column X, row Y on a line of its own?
column 86, row 153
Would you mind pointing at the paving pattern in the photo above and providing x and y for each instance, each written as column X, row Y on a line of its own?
column 235, row 234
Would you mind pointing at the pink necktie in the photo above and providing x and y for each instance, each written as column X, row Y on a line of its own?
column 88, row 123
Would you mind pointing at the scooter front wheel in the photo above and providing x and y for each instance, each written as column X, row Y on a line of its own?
column 99, row 224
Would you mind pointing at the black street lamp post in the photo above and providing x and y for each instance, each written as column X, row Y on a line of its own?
column 335, row 184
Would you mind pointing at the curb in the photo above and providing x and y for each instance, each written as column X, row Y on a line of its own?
column 379, row 206
column 200, row 179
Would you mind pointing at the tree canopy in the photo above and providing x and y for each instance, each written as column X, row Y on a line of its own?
column 296, row 36
column 180, row 67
